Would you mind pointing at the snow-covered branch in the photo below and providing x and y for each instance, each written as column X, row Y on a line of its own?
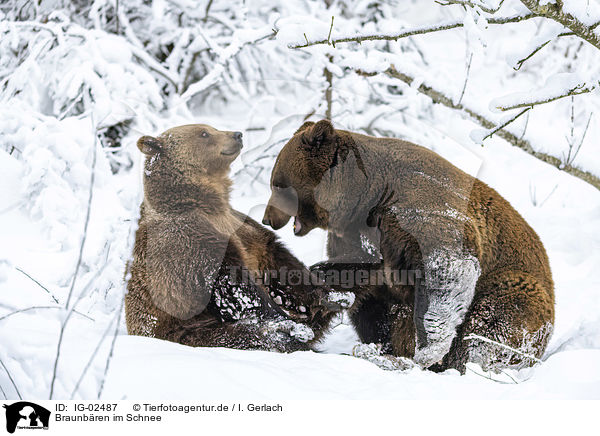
column 409, row 32
column 240, row 40
column 478, row 4
column 556, row 12
column 560, row 86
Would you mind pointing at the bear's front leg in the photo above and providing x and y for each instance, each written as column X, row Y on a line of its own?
column 442, row 300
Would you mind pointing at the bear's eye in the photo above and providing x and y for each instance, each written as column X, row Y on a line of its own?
column 279, row 186
column 204, row 134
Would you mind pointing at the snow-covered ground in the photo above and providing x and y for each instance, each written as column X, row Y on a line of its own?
column 47, row 153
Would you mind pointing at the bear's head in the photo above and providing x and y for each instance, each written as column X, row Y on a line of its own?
column 192, row 149
column 303, row 184
column 187, row 166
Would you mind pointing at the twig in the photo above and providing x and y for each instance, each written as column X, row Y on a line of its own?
column 509, row 376
column 93, row 356
column 538, row 48
column 410, row 32
column 462, row 93
column 210, row 2
column 571, row 158
column 112, row 348
column 117, row 14
column 581, row 88
column 472, row 4
column 86, row 222
column 3, row 393
column 503, row 125
column 490, row 341
column 37, row 283
column 329, row 36
column 549, row 195
column 11, row 379
column 525, row 128
column 85, row 227
column 488, row 377
column 27, row 309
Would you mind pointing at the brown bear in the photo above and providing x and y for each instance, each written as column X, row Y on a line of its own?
column 204, row 274
column 479, row 287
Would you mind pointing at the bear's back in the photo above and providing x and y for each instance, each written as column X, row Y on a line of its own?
column 437, row 202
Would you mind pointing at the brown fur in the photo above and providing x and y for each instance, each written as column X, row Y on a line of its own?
column 182, row 287
column 418, row 212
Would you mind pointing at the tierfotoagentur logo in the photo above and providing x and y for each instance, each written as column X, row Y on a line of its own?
column 26, row 415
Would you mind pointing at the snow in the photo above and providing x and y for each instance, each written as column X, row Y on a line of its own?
column 260, row 375
column 65, row 81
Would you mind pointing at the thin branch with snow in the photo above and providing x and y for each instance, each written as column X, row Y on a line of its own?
column 112, row 348
column 499, row 344
column 409, row 32
column 473, row 4
column 11, row 379
column 581, row 88
column 505, row 124
column 79, row 260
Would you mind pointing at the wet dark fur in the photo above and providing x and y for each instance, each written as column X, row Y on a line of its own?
column 357, row 186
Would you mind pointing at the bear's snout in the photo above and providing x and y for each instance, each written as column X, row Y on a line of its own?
column 275, row 218
column 235, row 146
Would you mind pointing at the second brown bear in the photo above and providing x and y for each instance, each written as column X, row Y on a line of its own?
column 484, row 293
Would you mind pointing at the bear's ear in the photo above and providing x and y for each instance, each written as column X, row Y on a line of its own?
column 321, row 133
column 304, row 126
column 149, row 145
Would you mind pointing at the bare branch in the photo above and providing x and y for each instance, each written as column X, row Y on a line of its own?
column 464, row 88
column 575, row 148
column 86, row 222
column 27, row 309
column 207, row 10
column 438, row 97
column 530, row 55
column 79, row 260
column 93, row 356
column 410, row 32
column 37, row 283
column 112, row 348
column 503, row 125
column 11, row 379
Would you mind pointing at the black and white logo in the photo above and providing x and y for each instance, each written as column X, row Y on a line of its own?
column 26, row 415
